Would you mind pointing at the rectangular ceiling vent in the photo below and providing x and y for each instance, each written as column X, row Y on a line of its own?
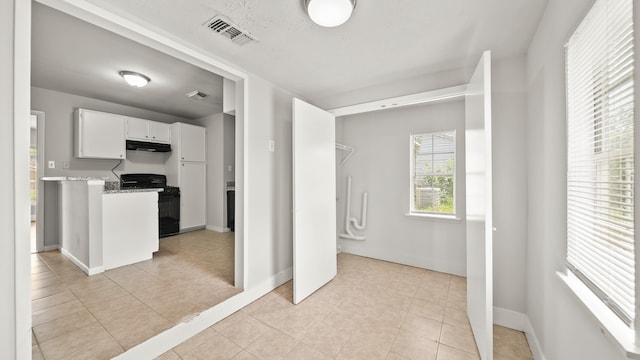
column 226, row 28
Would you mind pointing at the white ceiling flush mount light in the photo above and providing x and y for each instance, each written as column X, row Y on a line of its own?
column 330, row 13
column 135, row 79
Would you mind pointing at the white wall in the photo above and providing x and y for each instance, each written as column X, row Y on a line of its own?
column 269, row 181
column 509, row 104
column 380, row 166
column 15, row 310
column 509, row 161
column 564, row 329
column 58, row 108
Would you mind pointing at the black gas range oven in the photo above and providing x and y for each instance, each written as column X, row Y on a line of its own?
column 168, row 199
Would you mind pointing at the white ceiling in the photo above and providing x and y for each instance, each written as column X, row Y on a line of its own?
column 75, row 57
column 384, row 41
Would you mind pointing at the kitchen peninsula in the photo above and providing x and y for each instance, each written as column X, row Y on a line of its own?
column 104, row 229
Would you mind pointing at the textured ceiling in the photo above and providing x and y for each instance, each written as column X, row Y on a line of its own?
column 384, row 41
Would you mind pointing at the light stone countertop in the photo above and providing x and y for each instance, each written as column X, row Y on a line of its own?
column 121, row 191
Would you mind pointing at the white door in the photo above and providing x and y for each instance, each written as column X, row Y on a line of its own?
column 479, row 207
column 192, row 195
column 314, row 199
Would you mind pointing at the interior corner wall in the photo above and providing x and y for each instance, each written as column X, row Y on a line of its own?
column 563, row 327
column 509, row 104
column 380, row 166
column 270, row 226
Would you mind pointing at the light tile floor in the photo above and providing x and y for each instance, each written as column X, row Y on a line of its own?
column 97, row 317
column 372, row 310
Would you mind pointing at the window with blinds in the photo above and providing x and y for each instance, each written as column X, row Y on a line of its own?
column 433, row 164
column 600, row 171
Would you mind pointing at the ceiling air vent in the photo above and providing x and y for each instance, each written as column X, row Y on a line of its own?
column 196, row 95
column 226, row 28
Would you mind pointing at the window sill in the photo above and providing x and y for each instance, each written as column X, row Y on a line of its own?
column 445, row 218
column 609, row 323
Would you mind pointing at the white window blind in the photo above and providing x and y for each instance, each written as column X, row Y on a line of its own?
column 433, row 163
column 600, row 171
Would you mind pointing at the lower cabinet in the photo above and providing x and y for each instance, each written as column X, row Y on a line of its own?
column 129, row 228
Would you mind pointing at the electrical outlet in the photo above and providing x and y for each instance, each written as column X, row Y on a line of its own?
column 65, row 164
column 230, row 168
column 52, row 164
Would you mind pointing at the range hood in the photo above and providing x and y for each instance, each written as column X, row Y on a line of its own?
column 148, row 146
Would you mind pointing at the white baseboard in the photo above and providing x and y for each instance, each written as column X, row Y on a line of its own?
column 51, row 247
column 536, row 350
column 509, row 318
column 218, row 229
column 87, row 270
column 519, row 321
column 192, row 228
column 170, row 338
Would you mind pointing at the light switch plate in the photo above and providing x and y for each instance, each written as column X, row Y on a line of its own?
column 272, row 146
column 52, row 164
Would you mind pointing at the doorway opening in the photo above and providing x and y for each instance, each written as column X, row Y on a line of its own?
column 36, row 186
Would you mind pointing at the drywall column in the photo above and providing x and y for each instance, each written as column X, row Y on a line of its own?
column 15, row 305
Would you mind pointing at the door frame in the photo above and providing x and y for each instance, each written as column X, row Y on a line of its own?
column 40, row 115
column 95, row 15
column 119, row 25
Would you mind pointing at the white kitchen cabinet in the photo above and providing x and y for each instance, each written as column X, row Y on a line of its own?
column 147, row 130
column 129, row 228
column 98, row 135
column 186, row 168
column 188, row 142
column 160, row 132
column 193, row 206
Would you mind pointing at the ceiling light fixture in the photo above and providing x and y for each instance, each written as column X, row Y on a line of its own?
column 330, row 13
column 135, row 79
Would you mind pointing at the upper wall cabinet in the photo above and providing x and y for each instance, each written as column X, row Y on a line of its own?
column 147, row 130
column 98, row 135
column 189, row 142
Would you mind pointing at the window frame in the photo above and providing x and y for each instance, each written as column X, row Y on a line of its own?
column 625, row 335
column 412, row 155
